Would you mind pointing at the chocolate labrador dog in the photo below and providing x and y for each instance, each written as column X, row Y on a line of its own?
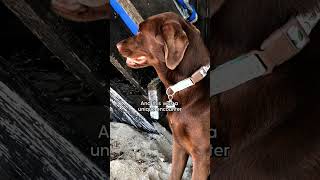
column 175, row 49
column 272, row 122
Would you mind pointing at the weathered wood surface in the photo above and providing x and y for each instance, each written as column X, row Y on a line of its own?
column 121, row 111
column 31, row 149
column 131, row 10
column 147, row 8
column 59, row 98
column 154, row 96
column 127, row 74
column 77, row 55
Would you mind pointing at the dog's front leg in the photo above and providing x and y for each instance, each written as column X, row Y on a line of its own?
column 179, row 161
column 201, row 164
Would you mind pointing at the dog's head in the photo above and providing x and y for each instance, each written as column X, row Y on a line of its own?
column 162, row 38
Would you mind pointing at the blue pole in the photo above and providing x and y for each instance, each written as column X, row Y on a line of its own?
column 124, row 16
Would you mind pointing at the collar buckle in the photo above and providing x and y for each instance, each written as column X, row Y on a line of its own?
column 181, row 85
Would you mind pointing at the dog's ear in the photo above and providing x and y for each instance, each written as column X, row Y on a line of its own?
column 175, row 43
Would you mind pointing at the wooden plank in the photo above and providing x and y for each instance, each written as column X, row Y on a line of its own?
column 59, row 39
column 131, row 10
column 155, row 91
column 131, row 94
column 31, row 149
column 78, row 122
column 121, row 111
column 147, row 8
column 154, row 95
column 127, row 74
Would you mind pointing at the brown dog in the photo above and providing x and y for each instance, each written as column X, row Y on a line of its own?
column 272, row 122
column 175, row 49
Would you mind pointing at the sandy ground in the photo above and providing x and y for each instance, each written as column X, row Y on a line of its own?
column 137, row 155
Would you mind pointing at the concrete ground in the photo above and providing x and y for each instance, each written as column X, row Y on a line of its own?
column 136, row 155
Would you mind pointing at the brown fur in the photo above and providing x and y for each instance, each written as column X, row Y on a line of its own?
column 271, row 123
column 161, row 40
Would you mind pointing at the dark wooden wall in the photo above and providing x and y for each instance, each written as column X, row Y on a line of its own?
column 57, row 74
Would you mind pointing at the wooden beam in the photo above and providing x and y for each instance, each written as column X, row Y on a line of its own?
column 59, row 39
column 30, row 148
column 127, row 74
column 121, row 111
column 154, row 95
column 147, row 8
column 131, row 11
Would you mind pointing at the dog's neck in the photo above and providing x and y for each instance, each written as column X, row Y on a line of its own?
column 170, row 78
column 191, row 62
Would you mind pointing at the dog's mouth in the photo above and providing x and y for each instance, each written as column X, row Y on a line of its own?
column 140, row 61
